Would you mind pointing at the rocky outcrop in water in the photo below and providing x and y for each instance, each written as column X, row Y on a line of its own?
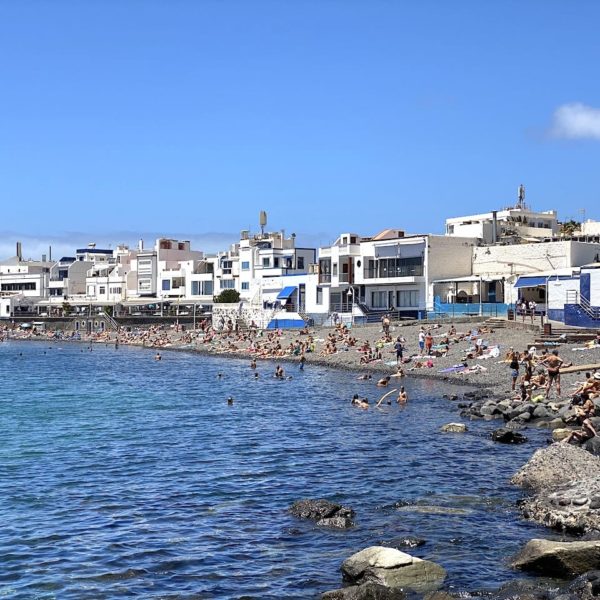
column 558, row 559
column 508, row 436
column 325, row 513
column 389, row 568
column 565, row 481
column 454, row 428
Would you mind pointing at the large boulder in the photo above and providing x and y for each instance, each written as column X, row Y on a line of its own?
column 394, row 569
column 565, row 480
column 327, row 514
column 593, row 446
column 562, row 559
column 556, row 465
column 508, row 436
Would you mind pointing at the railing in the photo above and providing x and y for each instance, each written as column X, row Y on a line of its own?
column 409, row 271
column 324, row 277
column 573, row 297
column 345, row 278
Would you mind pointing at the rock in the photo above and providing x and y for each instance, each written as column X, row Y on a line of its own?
column 337, row 522
column 560, row 434
column 562, row 559
column 409, row 542
column 326, row 513
column 540, row 412
column 565, row 480
column 391, row 568
column 556, row 423
column 593, row 446
column 556, row 465
column 506, row 436
column 454, row 428
column 586, row 585
column 366, row 591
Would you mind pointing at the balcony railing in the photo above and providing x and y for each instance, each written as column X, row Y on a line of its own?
column 345, row 278
column 324, row 277
column 408, row 271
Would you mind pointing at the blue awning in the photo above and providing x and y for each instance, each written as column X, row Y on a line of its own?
column 286, row 292
column 530, row 281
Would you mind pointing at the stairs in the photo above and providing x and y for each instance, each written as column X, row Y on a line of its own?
column 496, row 323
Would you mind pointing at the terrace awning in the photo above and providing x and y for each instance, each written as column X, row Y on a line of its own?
column 530, row 282
column 286, row 292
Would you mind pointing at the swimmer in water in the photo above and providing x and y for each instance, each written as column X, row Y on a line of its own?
column 383, row 382
column 230, row 401
column 360, row 402
column 364, row 377
column 402, row 396
column 253, row 363
column 157, row 356
column 387, row 395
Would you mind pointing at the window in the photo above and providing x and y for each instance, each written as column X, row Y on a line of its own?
column 300, row 262
column 319, row 295
column 245, row 265
column 202, row 288
column 276, row 262
column 166, row 285
column 335, row 267
column 18, row 287
column 178, row 282
column 101, row 290
column 394, row 267
column 145, row 285
column 245, row 285
column 407, row 298
column 379, row 300
column 227, row 284
column 266, row 262
column 115, row 290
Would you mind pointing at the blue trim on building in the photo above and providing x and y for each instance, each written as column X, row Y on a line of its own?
column 585, row 282
column 286, row 324
column 556, row 314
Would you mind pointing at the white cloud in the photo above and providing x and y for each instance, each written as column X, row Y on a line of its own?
column 576, row 121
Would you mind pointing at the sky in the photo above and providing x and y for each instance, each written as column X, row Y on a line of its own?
column 122, row 119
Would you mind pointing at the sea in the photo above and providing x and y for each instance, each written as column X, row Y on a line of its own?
column 122, row 476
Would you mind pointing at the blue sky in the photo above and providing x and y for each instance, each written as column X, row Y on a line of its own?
column 185, row 118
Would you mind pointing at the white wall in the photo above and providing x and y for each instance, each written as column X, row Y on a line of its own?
column 557, row 292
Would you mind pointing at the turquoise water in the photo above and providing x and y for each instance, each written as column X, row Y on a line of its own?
column 123, row 476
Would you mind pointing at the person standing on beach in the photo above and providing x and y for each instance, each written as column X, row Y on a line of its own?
column 399, row 350
column 523, row 307
column 532, row 307
column 428, row 343
column 421, row 341
column 514, row 368
column 553, row 363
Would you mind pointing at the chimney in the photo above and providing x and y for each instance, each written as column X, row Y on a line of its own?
column 141, row 244
column 494, row 226
column 50, row 253
column 19, row 251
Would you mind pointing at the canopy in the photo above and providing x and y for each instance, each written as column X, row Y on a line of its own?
column 530, row 282
column 286, row 292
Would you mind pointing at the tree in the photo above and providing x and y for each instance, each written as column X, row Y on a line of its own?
column 227, row 297
column 66, row 309
column 568, row 228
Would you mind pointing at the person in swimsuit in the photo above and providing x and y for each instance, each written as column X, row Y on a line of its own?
column 553, row 363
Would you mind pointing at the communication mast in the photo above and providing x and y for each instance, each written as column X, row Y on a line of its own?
column 521, row 197
column 263, row 221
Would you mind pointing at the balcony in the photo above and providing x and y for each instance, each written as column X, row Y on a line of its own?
column 407, row 271
column 324, row 277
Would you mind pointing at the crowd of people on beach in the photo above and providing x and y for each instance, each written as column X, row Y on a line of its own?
column 533, row 375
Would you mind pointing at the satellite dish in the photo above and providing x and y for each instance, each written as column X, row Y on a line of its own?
column 263, row 220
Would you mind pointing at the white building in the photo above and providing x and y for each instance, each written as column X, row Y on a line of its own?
column 505, row 225
column 388, row 271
